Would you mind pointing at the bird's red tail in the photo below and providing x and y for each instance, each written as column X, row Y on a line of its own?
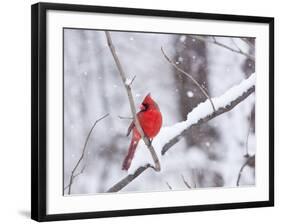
column 131, row 152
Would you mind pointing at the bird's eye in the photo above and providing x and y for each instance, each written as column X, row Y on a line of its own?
column 144, row 106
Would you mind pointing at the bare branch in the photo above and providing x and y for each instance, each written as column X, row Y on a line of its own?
column 169, row 186
column 214, row 41
column 209, row 117
column 128, row 179
column 249, row 162
column 235, row 44
column 131, row 100
column 73, row 175
column 125, row 118
column 252, row 46
column 247, row 138
column 131, row 82
column 190, row 77
column 185, row 182
column 76, row 175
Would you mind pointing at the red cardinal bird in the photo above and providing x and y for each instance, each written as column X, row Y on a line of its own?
column 150, row 119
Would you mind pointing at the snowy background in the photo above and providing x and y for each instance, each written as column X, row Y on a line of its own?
column 211, row 156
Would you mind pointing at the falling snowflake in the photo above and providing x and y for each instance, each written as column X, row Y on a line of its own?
column 193, row 40
column 177, row 62
column 208, row 144
column 190, row 94
column 180, row 59
column 193, row 57
column 131, row 38
column 182, row 38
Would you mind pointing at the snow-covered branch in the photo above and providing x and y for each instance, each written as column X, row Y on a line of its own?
column 127, row 84
column 203, row 112
column 169, row 136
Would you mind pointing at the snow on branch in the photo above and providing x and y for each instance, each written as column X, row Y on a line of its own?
column 169, row 136
column 203, row 112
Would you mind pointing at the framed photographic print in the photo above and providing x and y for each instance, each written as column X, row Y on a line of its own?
column 138, row 111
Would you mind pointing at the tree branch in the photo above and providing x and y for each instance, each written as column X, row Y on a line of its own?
column 248, row 89
column 131, row 100
column 169, row 186
column 249, row 162
column 125, row 118
column 73, row 175
column 185, row 182
column 128, row 179
column 209, row 117
column 214, row 41
column 252, row 46
column 190, row 77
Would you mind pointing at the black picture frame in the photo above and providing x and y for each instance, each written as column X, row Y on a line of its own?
column 39, row 108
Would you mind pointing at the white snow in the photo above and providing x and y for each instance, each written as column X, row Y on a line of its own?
column 202, row 110
column 128, row 81
column 180, row 59
column 182, row 38
column 190, row 94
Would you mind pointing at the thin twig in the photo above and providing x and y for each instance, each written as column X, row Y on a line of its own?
column 214, row 41
column 251, row 46
column 185, row 182
column 248, row 134
column 169, row 186
column 76, row 175
column 125, row 118
column 190, row 77
column 73, row 175
column 248, row 162
column 236, row 45
column 133, row 79
column 131, row 100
